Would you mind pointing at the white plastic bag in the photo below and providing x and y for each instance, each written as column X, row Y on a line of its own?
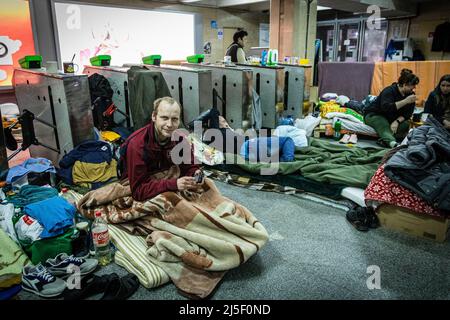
column 28, row 229
column 308, row 124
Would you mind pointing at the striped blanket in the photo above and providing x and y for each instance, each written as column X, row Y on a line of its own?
column 194, row 237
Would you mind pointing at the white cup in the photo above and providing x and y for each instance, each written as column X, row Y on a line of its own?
column 227, row 59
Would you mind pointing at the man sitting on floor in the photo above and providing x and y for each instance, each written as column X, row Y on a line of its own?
column 148, row 152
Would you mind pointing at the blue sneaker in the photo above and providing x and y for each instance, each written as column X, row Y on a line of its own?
column 38, row 280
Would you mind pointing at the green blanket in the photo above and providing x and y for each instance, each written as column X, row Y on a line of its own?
column 325, row 162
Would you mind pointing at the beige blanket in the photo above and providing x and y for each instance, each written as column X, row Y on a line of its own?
column 195, row 237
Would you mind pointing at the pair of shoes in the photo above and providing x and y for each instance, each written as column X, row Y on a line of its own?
column 111, row 285
column 362, row 218
column 349, row 138
column 47, row 280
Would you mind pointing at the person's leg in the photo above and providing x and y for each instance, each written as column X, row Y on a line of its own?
column 382, row 128
column 402, row 130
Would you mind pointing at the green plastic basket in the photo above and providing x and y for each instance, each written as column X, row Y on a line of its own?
column 31, row 62
column 101, row 60
column 154, row 60
column 196, row 58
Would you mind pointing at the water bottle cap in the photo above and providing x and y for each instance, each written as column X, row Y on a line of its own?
column 64, row 190
column 98, row 213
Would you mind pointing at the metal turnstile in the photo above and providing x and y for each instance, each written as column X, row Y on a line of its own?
column 191, row 87
column 118, row 79
column 234, row 85
column 61, row 105
column 294, row 95
column 269, row 84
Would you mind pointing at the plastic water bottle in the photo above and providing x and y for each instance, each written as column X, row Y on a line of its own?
column 100, row 237
column 263, row 57
column 337, row 130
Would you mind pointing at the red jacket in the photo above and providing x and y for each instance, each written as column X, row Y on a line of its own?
column 144, row 157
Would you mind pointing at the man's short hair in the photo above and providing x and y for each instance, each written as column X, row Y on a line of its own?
column 239, row 35
column 168, row 100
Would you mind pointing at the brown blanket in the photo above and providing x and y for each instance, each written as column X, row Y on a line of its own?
column 195, row 237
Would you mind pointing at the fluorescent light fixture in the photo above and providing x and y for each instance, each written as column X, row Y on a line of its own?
column 320, row 8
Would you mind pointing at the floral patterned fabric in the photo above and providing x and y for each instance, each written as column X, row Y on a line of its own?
column 381, row 189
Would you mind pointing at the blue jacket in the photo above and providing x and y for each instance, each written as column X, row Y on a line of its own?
column 90, row 151
column 280, row 149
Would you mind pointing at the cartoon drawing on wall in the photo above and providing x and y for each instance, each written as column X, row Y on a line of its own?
column 3, row 75
column 106, row 43
column 8, row 47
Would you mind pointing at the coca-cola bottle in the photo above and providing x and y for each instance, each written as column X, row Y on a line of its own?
column 100, row 237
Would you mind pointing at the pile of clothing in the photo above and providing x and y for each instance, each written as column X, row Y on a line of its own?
column 348, row 112
column 417, row 175
column 39, row 220
column 91, row 165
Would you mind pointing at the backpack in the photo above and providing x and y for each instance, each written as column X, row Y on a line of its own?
column 101, row 99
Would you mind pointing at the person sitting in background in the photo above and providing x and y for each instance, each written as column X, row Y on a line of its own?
column 438, row 102
column 147, row 158
column 236, row 49
column 389, row 113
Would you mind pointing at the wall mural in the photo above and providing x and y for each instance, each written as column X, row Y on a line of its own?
column 16, row 37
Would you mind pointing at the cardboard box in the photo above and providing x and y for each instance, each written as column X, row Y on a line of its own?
column 407, row 221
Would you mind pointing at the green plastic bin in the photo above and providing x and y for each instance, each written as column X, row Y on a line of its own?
column 196, row 58
column 31, row 62
column 101, row 60
column 154, row 60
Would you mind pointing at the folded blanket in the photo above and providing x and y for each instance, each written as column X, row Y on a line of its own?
column 132, row 256
column 193, row 237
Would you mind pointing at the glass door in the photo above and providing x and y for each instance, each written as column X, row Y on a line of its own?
column 348, row 41
column 326, row 33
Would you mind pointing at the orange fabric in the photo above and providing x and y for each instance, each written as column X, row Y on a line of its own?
column 429, row 73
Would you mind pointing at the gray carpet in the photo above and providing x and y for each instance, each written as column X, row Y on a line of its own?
column 313, row 253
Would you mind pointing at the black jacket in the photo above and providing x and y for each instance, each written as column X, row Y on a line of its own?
column 424, row 166
column 441, row 38
column 232, row 51
column 436, row 109
column 384, row 105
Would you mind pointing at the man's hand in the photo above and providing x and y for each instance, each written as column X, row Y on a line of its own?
column 394, row 127
column 186, row 183
column 410, row 99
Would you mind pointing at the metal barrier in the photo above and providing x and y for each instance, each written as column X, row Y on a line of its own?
column 61, row 105
column 234, row 85
column 269, row 84
column 118, row 79
column 191, row 87
column 294, row 94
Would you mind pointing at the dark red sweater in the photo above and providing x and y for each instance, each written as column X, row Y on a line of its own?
column 144, row 157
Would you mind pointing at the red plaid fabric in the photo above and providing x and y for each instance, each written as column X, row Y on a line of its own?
column 384, row 190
